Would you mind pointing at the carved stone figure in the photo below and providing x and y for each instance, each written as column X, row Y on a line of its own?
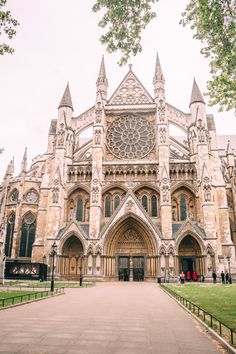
column 98, row 112
column 161, row 111
column 207, row 189
column 162, row 132
column 97, row 138
column 95, row 191
column 61, row 135
column 55, row 191
column 201, row 132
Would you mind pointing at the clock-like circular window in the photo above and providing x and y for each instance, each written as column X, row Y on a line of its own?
column 31, row 197
column 130, row 137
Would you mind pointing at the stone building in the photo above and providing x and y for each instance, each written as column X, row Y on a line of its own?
column 130, row 201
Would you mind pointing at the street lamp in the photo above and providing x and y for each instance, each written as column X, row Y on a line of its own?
column 44, row 273
column 53, row 254
column 80, row 270
column 230, row 279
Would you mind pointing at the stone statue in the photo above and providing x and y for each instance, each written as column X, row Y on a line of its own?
column 97, row 138
column 61, row 135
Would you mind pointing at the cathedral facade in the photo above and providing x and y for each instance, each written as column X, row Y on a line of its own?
column 130, row 201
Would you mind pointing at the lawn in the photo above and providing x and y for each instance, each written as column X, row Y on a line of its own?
column 46, row 284
column 219, row 300
column 12, row 297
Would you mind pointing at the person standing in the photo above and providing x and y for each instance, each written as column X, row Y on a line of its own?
column 188, row 275
column 226, row 277
column 222, row 277
column 214, row 277
column 195, row 276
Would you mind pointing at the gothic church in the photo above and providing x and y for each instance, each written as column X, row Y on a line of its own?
column 129, row 202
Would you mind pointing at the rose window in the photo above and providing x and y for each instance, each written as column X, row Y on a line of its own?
column 130, row 137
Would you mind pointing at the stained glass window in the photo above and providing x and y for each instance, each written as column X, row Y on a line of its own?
column 9, row 234
column 183, row 208
column 108, row 206
column 154, row 205
column 116, row 201
column 28, row 229
column 79, row 211
column 145, row 202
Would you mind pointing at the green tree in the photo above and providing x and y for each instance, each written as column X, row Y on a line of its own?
column 7, row 28
column 213, row 23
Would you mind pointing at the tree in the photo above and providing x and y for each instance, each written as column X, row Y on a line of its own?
column 7, row 28
column 213, row 23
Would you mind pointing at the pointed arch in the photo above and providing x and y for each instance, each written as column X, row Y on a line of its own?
column 9, row 233
column 28, row 230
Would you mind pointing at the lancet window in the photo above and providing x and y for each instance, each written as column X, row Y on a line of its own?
column 111, row 201
column 78, row 206
column 183, row 205
column 149, row 200
column 9, row 234
column 28, row 228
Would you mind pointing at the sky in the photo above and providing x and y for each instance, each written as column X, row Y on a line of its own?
column 58, row 42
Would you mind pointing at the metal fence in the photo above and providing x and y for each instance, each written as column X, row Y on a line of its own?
column 13, row 300
column 226, row 332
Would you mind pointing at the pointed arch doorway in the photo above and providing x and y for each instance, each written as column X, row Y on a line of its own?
column 71, row 259
column 129, row 252
column 191, row 258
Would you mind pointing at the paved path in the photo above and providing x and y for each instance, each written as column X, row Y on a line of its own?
column 116, row 318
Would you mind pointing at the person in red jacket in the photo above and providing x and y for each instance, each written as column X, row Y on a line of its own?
column 188, row 275
column 195, row 276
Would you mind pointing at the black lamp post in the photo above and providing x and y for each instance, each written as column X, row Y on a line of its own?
column 230, row 279
column 80, row 270
column 44, row 273
column 53, row 254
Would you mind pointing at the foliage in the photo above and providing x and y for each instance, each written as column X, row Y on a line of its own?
column 125, row 20
column 7, row 28
column 214, row 23
column 212, row 298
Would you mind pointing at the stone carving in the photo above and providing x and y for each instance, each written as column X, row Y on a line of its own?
column 130, row 92
column 201, row 132
column 129, row 206
column 61, row 135
column 130, row 136
column 161, row 111
column 162, row 132
column 97, row 136
column 98, row 113
column 55, row 191
column 96, row 173
column 131, row 242
column 95, row 191
column 207, row 189
column 165, row 193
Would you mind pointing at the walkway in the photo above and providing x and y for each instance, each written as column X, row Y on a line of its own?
column 116, row 318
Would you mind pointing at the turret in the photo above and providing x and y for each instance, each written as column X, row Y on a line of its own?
column 102, row 83
column 65, row 110
column 197, row 105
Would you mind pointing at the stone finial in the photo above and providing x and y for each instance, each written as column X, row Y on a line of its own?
column 10, row 168
column 196, row 95
column 66, row 100
column 102, row 82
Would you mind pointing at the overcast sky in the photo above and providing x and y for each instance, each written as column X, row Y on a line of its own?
column 58, row 41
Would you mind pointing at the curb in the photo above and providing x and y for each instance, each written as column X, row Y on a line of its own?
column 215, row 334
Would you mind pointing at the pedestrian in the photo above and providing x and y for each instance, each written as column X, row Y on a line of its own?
column 214, row 276
column 188, row 275
column 195, row 276
column 181, row 277
column 226, row 277
column 222, row 277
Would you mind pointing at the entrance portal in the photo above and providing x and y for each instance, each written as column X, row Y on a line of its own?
column 131, row 268
column 190, row 257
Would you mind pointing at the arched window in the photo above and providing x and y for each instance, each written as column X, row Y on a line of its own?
column 79, row 211
column 27, row 235
column 154, row 205
column 145, row 202
column 183, row 208
column 14, row 195
column 116, row 202
column 108, row 206
column 9, row 234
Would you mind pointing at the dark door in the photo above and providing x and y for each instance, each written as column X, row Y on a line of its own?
column 124, row 270
column 187, row 264
column 138, row 270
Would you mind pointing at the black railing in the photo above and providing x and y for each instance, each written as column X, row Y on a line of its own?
column 226, row 332
column 13, row 300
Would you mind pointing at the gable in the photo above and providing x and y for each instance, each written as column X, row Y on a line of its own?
column 130, row 92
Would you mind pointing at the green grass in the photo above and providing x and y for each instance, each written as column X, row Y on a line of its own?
column 219, row 300
column 46, row 284
column 15, row 297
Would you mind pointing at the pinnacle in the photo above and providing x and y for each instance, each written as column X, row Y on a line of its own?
column 102, row 71
column 196, row 95
column 158, row 75
column 66, row 99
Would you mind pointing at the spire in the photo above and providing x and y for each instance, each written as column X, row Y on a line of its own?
column 196, row 95
column 10, row 168
column 158, row 75
column 102, row 82
column 66, row 98
column 24, row 161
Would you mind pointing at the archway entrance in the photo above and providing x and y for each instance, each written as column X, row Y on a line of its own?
column 130, row 253
column 71, row 260
column 190, row 257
